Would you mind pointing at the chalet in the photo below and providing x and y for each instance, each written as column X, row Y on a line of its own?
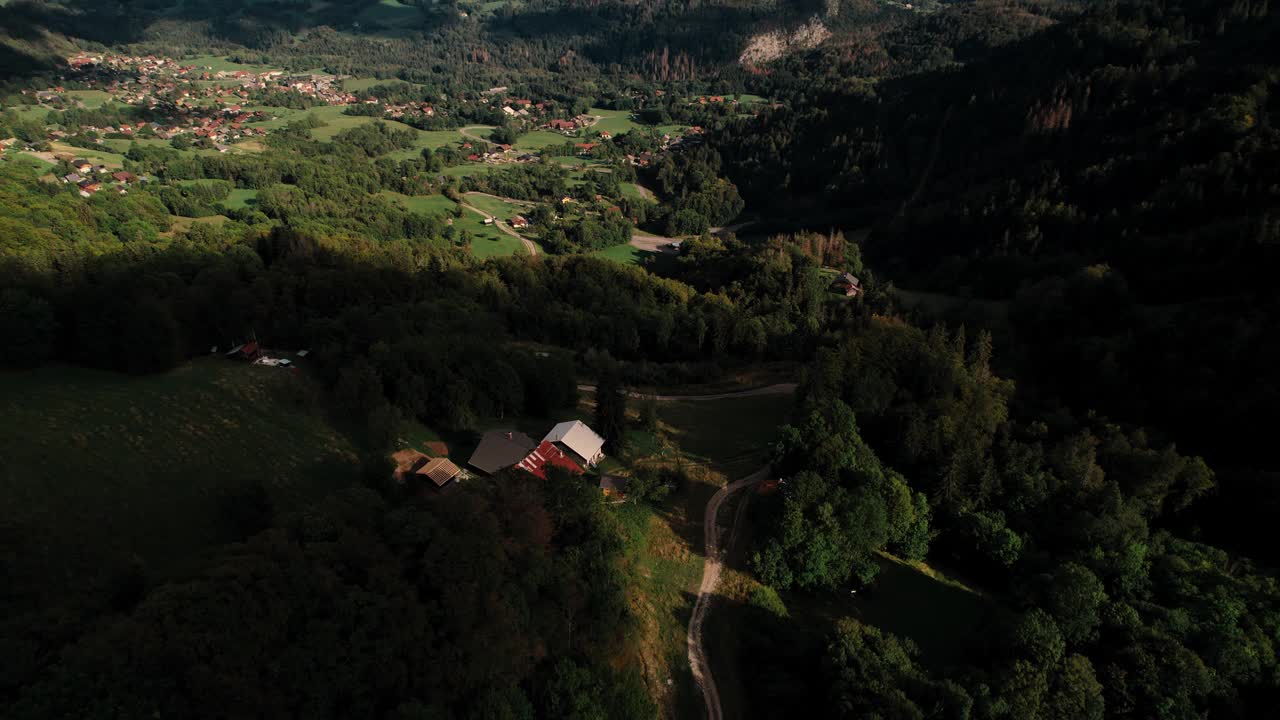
column 500, row 449
column 73, row 178
column 519, row 221
column 124, row 177
column 89, row 187
column 846, row 284
column 439, row 471
column 605, row 135
column 562, row 125
column 577, row 440
column 81, row 165
column 584, row 148
column 548, row 454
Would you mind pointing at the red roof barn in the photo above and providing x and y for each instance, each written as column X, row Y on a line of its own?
column 546, row 454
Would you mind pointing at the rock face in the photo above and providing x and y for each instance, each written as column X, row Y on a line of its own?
column 768, row 46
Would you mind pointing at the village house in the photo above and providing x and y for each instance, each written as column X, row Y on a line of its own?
column 579, row 441
column 847, row 285
column 519, row 221
column 562, row 125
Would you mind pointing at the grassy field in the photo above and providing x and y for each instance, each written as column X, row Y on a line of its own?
column 216, row 63
column 28, row 160
column 487, row 240
column 336, row 122
column 241, row 198
column 106, row 157
column 732, row 436
column 426, row 204
column 539, row 139
column 105, row 467
column 627, row 254
column 498, row 207
column 713, row 441
column 92, row 99
column 182, row 224
column 614, row 122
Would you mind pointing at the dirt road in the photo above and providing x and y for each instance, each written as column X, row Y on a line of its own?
column 710, row 577
column 651, row 243
column 528, row 244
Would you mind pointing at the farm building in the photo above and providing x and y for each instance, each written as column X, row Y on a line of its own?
column 519, row 221
column 547, row 454
column 847, row 284
column 440, row 471
column 500, row 449
column 579, row 441
column 244, row 351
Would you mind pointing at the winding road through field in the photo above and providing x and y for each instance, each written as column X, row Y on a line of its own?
column 498, row 223
column 710, row 577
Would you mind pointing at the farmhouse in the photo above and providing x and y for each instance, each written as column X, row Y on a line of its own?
column 561, row 125
column 244, row 351
column 846, row 284
column 578, row 441
column 500, row 449
column 519, row 221
column 547, row 454
column 82, row 166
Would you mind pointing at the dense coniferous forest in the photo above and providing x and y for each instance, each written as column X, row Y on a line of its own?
column 1056, row 381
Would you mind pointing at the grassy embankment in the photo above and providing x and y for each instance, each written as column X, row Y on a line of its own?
column 101, row 468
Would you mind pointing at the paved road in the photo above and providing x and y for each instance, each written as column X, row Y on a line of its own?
column 710, row 577
column 776, row 389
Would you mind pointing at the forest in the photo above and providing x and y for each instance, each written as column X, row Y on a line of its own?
column 1056, row 382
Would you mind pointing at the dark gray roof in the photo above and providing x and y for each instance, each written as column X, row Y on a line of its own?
column 614, row 483
column 500, row 449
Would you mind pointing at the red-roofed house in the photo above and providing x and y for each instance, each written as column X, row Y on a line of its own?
column 546, row 454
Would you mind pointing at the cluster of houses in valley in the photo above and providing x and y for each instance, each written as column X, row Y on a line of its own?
column 570, row 446
column 151, row 79
column 91, row 178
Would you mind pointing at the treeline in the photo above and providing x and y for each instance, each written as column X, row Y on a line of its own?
column 500, row 599
column 1104, row 613
column 1102, row 184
